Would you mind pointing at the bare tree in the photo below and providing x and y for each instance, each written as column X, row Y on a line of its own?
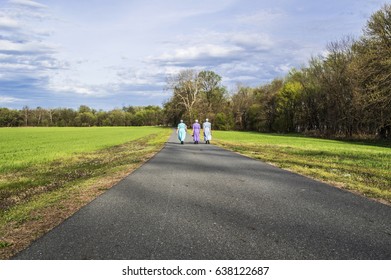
column 26, row 115
column 186, row 88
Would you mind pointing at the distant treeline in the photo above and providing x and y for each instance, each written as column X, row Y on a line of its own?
column 344, row 93
column 84, row 116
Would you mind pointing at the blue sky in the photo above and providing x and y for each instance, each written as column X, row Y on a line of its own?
column 109, row 54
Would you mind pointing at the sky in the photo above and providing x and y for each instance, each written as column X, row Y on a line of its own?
column 109, row 54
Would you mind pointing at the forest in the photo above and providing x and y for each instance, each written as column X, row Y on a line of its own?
column 84, row 116
column 345, row 93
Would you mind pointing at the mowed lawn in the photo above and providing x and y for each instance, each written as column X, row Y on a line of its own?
column 46, row 174
column 363, row 167
column 23, row 147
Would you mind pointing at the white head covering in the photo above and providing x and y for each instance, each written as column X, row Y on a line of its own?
column 181, row 120
column 196, row 120
column 207, row 120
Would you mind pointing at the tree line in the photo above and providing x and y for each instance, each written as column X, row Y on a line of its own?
column 345, row 93
column 84, row 116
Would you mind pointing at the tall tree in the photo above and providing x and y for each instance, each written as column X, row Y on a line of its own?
column 241, row 101
column 9, row 117
column 374, row 49
column 26, row 115
column 211, row 89
column 186, row 87
column 339, row 87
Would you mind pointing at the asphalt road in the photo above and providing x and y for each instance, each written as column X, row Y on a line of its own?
column 203, row 202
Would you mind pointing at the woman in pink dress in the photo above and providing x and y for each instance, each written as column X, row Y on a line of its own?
column 196, row 132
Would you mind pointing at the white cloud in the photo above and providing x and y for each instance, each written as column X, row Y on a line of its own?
column 234, row 68
column 83, row 90
column 134, row 76
column 7, row 22
column 25, row 54
column 250, row 41
column 202, row 51
column 283, row 68
column 260, row 17
column 11, row 67
column 28, row 3
column 239, row 57
column 9, row 99
column 213, row 49
column 25, row 47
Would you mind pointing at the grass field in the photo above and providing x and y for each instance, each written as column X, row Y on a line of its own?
column 363, row 167
column 46, row 174
column 23, row 147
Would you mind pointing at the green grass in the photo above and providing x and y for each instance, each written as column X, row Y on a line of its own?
column 23, row 147
column 48, row 173
column 4, row 244
column 36, row 160
column 358, row 166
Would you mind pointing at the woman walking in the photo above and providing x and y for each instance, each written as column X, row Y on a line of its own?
column 181, row 131
column 207, row 126
column 196, row 132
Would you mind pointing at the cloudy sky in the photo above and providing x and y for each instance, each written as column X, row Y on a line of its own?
column 108, row 54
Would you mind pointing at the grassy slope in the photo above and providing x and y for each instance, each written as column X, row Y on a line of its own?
column 357, row 166
column 46, row 179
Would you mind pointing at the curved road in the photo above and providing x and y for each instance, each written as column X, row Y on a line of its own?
column 203, row 202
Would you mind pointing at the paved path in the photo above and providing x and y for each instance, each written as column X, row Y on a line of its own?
column 203, row 202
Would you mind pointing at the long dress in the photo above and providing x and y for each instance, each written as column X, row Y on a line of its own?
column 207, row 126
column 196, row 132
column 181, row 132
